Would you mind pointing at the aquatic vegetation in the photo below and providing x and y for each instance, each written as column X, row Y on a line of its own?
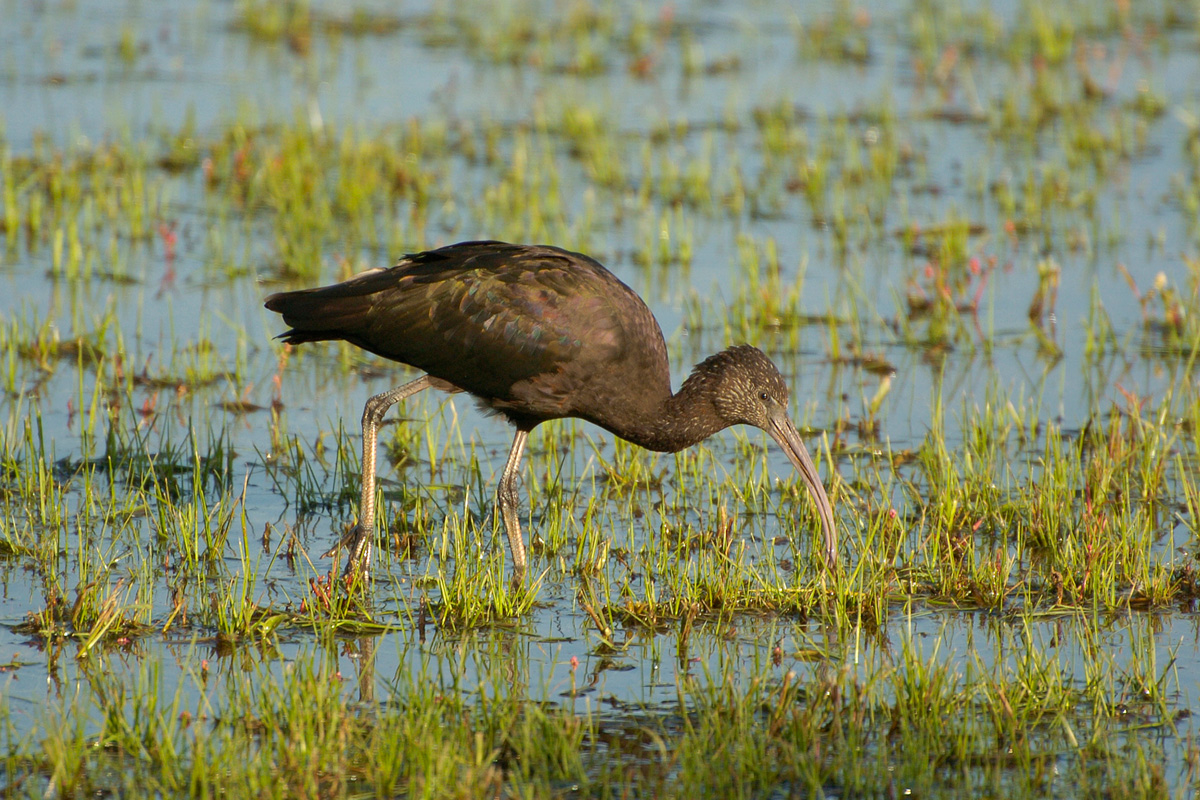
column 966, row 236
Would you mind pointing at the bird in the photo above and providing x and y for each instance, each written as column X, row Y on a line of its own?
column 535, row 333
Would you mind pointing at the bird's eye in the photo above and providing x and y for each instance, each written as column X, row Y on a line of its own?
column 764, row 396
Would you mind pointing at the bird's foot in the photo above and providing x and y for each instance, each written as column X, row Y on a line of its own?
column 517, row 580
column 357, row 541
column 348, row 539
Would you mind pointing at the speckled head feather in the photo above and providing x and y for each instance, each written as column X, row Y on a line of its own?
column 741, row 380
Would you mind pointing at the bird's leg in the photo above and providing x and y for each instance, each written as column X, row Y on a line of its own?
column 362, row 536
column 507, row 500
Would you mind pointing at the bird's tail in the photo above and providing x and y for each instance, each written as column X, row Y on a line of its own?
column 325, row 313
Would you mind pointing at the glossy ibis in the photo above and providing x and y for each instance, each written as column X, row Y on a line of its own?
column 538, row 333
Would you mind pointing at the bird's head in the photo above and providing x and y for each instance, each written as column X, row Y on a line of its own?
column 745, row 388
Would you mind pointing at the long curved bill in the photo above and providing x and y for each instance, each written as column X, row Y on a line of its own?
column 783, row 431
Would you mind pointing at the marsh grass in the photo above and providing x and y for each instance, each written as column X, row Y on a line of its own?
column 781, row 722
column 1011, row 447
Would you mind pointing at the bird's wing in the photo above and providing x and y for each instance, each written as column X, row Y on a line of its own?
column 500, row 318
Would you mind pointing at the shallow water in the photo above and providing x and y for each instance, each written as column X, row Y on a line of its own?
column 64, row 83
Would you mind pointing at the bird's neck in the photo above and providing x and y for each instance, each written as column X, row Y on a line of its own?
column 676, row 421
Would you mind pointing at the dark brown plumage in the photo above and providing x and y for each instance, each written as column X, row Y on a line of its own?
column 538, row 333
